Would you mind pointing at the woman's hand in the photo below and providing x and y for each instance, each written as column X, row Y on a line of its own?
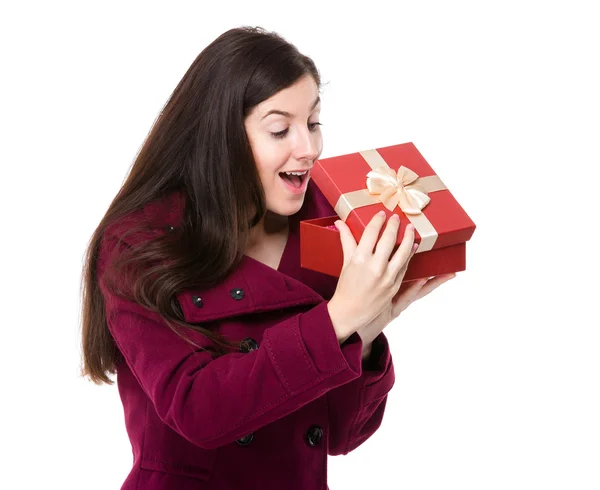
column 371, row 274
column 408, row 293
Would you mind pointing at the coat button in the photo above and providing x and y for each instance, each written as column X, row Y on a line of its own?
column 170, row 228
column 237, row 293
column 197, row 300
column 244, row 441
column 248, row 344
column 314, row 436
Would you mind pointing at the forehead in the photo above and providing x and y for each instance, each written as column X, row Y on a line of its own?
column 296, row 100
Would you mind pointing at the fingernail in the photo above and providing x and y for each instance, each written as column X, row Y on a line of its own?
column 410, row 227
column 395, row 217
column 381, row 213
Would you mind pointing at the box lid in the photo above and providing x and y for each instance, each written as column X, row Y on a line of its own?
column 358, row 184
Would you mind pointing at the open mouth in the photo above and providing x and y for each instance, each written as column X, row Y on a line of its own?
column 294, row 180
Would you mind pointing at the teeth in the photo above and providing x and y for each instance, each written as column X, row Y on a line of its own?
column 296, row 173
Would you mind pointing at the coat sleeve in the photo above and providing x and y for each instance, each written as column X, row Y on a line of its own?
column 356, row 408
column 208, row 401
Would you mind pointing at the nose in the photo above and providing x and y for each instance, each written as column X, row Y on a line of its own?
column 307, row 145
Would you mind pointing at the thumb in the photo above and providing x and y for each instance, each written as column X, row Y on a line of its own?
column 348, row 242
column 406, row 295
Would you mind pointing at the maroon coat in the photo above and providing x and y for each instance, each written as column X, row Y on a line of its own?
column 263, row 418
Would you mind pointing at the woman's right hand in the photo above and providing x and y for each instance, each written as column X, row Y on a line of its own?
column 369, row 280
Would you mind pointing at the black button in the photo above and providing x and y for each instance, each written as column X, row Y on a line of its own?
column 244, row 441
column 248, row 344
column 314, row 436
column 237, row 293
column 197, row 300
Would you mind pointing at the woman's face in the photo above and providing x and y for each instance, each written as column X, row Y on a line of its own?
column 285, row 136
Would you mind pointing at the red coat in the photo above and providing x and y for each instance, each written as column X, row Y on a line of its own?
column 264, row 418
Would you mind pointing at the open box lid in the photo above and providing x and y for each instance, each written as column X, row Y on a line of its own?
column 358, row 184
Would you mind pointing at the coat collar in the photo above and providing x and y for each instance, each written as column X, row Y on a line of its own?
column 253, row 287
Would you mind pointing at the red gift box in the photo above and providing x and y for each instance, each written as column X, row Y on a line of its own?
column 395, row 179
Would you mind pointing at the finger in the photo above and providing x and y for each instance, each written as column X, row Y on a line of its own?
column 386, row 243
column 432, row 284
column 403, row 254
column 370, row 235
column 404, row 268
column 409, row 288
column 406, row 295
column 347, row 239
column 405, row 286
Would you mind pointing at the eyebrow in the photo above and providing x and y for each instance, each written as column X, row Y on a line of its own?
column 287, row 114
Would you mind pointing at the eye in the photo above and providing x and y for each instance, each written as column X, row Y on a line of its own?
column 313, row 127
column 280, row 134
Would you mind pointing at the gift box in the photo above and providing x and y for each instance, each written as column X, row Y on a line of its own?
column 395, row 179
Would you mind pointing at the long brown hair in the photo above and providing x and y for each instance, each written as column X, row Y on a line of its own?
column 197, row 146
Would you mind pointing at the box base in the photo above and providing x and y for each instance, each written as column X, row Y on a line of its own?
column 321, row 251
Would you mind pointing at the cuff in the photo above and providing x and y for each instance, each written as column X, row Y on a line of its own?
column 307, row 351
column 379, row 352
column 379, row 376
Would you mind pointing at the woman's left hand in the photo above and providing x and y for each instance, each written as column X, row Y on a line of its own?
column 408, row 293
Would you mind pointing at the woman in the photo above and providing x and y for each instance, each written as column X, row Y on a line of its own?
column 237, row 368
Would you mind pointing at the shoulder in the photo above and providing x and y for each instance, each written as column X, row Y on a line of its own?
column 155, row 218
column 139, row 227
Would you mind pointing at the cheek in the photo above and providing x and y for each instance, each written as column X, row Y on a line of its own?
column 268, row 171
column 269, row 161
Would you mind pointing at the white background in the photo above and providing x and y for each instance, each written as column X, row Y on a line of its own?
column 498, row 371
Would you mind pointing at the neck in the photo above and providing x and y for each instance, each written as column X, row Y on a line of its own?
column 271, row 224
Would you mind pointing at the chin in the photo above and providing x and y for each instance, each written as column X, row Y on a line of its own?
column 287, row 209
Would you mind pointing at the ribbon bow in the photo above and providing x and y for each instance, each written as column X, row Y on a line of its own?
column 397, row 189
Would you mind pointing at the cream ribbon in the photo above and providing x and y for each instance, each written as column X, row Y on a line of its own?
column 403, row 188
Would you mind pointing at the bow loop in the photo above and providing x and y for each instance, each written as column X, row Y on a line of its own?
column 397, row 189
